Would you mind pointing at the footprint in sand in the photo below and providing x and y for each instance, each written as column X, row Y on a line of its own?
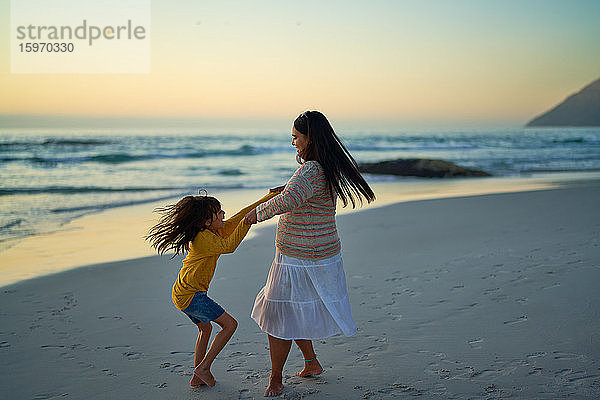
column 564, row 372
column 362, row 358
column 83, row 365
column 174, row 368
column 537, row 354
column 535, row 371
column 499, row 298
column 522, row 300
column 583, row 377
column 551, row 286
column 467, row 307
column 518, row 279
column 393, row 279
column 522, row 318
column 135, row 325
column 490, row 291
column 558, row 355
column 45, row 396
column 113, row 317
column 132, row 355
column 475, row 343
column 117, row 346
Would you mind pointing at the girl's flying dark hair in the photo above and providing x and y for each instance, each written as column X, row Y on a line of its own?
column 341, row 170
column 181, row 222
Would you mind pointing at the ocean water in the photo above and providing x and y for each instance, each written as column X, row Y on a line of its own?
column 49, row 177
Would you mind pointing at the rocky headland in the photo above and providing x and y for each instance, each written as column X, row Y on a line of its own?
column 579, row 109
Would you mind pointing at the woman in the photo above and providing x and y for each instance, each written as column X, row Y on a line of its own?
column 305, row 297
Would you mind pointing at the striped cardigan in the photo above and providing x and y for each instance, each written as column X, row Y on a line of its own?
column 307, row 227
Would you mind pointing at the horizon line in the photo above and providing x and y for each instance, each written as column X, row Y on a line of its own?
column 34, row 121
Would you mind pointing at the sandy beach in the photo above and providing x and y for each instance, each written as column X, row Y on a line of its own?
column 479, row 297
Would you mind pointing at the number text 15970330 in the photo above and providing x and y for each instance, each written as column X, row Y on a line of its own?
column 45, row 47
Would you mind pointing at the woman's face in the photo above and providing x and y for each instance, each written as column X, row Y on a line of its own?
column 299, row 140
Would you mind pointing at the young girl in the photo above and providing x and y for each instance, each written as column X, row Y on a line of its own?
column 195, row 225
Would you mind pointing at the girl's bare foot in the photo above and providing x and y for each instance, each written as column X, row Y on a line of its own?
column 204, row 375
column 310, row 368
column 275, row 387
column 195, row 382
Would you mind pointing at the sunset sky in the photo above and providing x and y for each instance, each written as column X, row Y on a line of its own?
column 396, row 61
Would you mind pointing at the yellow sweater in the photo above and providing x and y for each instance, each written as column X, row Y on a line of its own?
column 200, row 263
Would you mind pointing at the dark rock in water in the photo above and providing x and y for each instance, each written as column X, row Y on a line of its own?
column 420, row 167
column 579, row 109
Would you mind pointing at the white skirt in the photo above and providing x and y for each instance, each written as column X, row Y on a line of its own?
column 304, row 299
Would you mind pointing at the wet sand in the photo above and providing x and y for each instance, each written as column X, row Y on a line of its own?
column 118, row 234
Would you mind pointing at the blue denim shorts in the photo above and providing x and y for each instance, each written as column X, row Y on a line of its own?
column 203, row 309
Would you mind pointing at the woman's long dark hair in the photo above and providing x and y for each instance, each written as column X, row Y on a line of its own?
column 181, row 222
column 341, row 170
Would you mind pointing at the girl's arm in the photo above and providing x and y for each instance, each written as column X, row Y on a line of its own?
column 232, row 222
column 233, row 241
column 211, row 244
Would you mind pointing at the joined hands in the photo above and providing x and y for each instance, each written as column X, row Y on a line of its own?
column 250, row 218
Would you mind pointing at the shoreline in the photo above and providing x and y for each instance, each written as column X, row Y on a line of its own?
column 465, row 297
column 117, row 234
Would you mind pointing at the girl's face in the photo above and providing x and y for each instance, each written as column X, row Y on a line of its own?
column 217, row 221
column 299, row 141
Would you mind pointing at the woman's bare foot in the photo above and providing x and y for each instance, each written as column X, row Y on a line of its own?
column 195, row 382
column 310, row 368
column 275, row 387
column 204, row 375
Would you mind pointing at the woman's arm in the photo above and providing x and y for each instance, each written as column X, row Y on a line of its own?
column 232, row 223
column 296, row 192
